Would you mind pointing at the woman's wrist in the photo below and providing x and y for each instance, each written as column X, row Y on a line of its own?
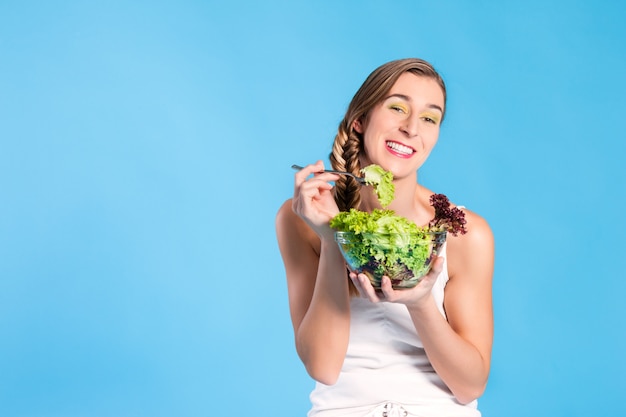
column 422, row 306
column 328, row 244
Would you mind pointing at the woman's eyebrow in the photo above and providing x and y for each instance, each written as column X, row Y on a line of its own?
column 407, row 98
column 436, row 107
column 402, row 96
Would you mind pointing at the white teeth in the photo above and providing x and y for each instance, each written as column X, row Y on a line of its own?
column 400, row 148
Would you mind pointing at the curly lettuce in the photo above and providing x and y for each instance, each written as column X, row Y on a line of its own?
column 383, row 241
column 382, row 181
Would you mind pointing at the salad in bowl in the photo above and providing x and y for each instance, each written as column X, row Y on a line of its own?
column 380, row 243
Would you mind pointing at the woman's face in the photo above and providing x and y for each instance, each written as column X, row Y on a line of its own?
column 399, row 133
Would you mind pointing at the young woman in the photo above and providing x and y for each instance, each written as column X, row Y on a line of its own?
column 423, row 351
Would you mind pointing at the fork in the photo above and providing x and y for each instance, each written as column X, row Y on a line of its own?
column 360, row 180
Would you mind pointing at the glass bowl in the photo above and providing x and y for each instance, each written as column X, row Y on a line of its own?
column 404, row 257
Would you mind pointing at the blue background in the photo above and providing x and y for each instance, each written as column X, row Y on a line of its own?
column 146, row 146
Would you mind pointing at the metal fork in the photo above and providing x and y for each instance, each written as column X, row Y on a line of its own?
column 360, row 180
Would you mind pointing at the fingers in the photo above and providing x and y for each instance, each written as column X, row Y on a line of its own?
column 315, row 169
column 365, row 288
column 302, row 175
column 417, row 293
column 308, row 189
column 312, row 189
column 387, row 288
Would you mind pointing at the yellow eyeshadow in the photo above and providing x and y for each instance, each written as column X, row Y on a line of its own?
column 432, row 116
column 396, row 106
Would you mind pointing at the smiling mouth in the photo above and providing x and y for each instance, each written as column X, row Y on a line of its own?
column 399, row 148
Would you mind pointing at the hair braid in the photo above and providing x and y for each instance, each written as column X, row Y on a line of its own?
column 345, row 157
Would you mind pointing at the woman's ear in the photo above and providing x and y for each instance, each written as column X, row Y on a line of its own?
column 357, row 126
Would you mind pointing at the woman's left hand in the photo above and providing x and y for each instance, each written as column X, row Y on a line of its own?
column 410, row 296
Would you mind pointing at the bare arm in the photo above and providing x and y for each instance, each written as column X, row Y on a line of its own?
column 460, row 348
column 316, row 281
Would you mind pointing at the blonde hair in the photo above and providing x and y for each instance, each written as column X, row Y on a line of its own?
column 348, row 142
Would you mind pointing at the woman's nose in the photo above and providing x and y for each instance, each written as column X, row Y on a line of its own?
column 410, row 126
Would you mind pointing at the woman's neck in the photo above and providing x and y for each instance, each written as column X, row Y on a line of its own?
column 410, row 200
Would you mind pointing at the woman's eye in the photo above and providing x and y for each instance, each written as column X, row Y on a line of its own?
column 398, row 108
column 430, row 119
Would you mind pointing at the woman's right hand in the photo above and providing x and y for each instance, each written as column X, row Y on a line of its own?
column 313, row 198
column 410, row 296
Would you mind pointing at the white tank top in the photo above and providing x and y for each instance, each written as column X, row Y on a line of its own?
column 386, row 371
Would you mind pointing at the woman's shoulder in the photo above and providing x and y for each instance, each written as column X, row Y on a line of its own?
column 475, row 248
column 477, row 226
column 285, row 210
column 478, row 230
column 292, row 228
column 286, row 217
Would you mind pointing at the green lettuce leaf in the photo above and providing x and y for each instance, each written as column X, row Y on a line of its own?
column 390, row 239
column 382, row 181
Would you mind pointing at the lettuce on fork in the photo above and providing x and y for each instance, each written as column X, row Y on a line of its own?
column 382, row 181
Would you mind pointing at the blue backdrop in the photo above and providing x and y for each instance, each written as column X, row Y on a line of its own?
column 146, row 146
